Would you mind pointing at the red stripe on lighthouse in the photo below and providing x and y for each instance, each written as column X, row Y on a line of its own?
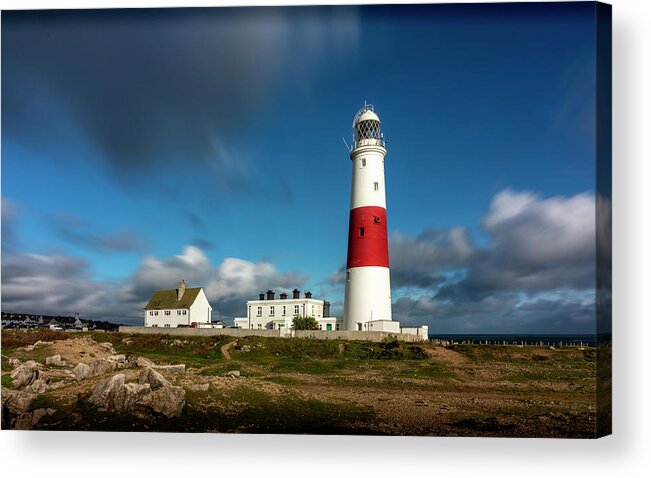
column 367, row 237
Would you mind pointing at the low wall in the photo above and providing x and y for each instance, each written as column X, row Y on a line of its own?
column 370, row 336
column 192, row 332
column 301, row 334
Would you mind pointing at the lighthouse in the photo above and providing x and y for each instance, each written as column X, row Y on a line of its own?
column 367, row 299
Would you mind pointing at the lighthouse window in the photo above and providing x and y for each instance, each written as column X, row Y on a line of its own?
column 361, row 232
column 363, row 162
column 376, row 186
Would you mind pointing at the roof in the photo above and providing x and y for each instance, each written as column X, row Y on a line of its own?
column 166, row 299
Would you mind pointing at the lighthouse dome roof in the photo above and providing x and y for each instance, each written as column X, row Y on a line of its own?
column 366, row 114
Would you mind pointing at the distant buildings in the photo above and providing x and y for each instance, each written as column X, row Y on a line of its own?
column 179, row 308
column 278, row 314
column 65, row 323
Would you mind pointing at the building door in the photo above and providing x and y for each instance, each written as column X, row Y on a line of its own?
column 329, row 327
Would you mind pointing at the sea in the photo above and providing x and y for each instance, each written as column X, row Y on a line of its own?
column 575, row 339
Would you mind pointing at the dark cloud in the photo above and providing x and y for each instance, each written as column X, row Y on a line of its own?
column 159, row 90
column 57, row 284
column 539, row 258
column 420, row 261
column 80, row 232
column 536, row 244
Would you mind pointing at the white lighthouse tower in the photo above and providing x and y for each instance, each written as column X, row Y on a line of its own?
column 367, row 300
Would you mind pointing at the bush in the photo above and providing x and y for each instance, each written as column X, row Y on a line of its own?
column 305, row 323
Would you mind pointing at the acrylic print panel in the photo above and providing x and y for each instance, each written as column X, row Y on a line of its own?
column 189, row 246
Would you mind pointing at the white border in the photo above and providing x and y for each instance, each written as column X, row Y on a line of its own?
column 626, row 453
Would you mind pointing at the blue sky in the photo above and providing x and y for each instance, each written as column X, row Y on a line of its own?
column 139, row 145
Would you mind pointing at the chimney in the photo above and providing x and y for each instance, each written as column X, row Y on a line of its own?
column 308, row 295
column 283, row 296
column 181, row 290
column 261, row 295
column 296, row 294
column 270, row 295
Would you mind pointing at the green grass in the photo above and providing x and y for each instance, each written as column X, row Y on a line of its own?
column 7, row 381
column 192, row 351
column 43, row 401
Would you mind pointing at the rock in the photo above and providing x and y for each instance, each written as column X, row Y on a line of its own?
column 28, row 348
column 42, row 342
column 81, row 371
column 144, row 362
column 167, row 401
column 107, row 347
column 153, row 378
column 56, row 385
column 16, row 401
column 177, row 343
column 101, row 366
column 38, row 386
column 14, row 362
column 246, row 348
column 233, row 373
column 55, row 360
column 117, row 358
column 171, row 368
column 23, row 422
column 113, row 394
column 199, row 387
column 50, row 411
column 25, row 374
column 37, row 415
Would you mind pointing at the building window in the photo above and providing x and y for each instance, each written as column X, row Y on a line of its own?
column 259, row 326
column 363, row 162
column 155, row 325
column 259, row 312
column 178, row 312
column 272, row 310
column 151, row 313
column 337, row 326
column 167, row 325
column 361, row 232
column 312, row 310
column 284, row 310
column 155, row 312
column 168, row 312
column 185, row 312
column 376, row 186
column 296, row 310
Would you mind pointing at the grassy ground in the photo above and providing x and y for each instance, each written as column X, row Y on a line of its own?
column 314, row 386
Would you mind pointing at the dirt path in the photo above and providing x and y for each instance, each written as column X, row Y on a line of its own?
column 225, row 348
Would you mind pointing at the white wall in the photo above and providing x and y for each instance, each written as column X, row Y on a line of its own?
column 363, row 191
column 174, row 319
column 200, row 311
column 367, row 296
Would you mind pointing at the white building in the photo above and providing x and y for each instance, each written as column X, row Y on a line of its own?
column 278, row 314
column 178, row 307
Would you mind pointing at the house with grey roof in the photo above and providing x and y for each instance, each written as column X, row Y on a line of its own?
column 182, row 307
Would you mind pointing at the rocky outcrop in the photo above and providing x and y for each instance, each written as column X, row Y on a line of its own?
column 107, row 347
column 28, row 376
column 233, row 374
column 14, row 362
column 153, row 378
column 144, row 362
column 112, row 394
column 15, row 409
column 167, row 401
column 81, row 371
column 152, row 394
column 55, row 360
column 16, row 401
